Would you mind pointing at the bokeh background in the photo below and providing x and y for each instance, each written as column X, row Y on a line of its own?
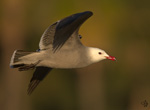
column 120, row 27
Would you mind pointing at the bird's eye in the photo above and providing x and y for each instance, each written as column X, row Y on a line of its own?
column 100, row 53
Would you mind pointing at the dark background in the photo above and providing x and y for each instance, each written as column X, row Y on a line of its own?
column 121, row 28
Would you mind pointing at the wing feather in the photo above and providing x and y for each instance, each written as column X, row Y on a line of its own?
column 48, row 37
column 39, row 74
column 67, row 26
column 56, row 35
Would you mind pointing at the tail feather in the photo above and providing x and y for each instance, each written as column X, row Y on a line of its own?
column 18, row 62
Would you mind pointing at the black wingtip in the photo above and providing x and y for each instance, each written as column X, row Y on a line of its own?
column 85, row 13
column 88, row 12
column 39, row 74
column 67, row 26
column 32, row 86
column 77, row 18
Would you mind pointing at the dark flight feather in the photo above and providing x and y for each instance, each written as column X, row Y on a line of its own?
column 67, row 26
column 39, row 74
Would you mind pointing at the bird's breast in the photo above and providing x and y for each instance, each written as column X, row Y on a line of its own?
column 71, row 59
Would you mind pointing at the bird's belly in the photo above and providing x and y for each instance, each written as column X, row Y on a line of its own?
column 71, row 59
column 63, row 63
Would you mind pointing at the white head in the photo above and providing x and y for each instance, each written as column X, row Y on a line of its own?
column 96, row 55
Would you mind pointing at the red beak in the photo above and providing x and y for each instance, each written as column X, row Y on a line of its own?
column 111, row 58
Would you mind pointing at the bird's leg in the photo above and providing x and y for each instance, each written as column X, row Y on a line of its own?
column 28, row 66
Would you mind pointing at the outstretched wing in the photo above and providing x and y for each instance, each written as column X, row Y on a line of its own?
column 48, row 37
column 38, row 76
column 67, row 26
column 57, row 34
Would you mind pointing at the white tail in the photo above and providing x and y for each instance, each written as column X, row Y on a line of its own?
column 23, row 60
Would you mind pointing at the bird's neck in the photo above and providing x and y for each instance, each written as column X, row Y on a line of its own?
column 92, row 54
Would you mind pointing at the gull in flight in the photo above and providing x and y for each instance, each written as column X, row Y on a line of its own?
column 59, row 47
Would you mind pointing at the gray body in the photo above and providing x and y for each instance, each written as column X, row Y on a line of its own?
column 71, row 59
column 59, row 47
column 71, row 55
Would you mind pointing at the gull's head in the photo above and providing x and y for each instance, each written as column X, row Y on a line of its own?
column 96, row 54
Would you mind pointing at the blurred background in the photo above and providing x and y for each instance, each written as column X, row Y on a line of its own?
column 121, row 28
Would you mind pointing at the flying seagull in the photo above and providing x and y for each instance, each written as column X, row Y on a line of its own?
column 59, row 47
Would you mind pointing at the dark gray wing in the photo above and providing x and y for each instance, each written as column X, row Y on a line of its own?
column 39, row 74
column 58, row 33
column 67, row 26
